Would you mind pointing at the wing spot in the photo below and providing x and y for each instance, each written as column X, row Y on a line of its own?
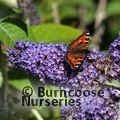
column 88, row 33
column 87, row 38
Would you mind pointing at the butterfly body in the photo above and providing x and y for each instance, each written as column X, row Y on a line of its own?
column 78, row 50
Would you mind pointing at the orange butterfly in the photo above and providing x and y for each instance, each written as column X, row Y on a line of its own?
column 78, row 50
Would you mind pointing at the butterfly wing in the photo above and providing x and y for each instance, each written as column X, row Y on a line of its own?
column 75, row 61
column 78, row 50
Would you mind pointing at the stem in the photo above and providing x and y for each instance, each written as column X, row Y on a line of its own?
column 1, row 98
column 82, row 13
column 3, row 67
column 99, row 28
column 55, row 11
column 36, row 114
column 100, row 15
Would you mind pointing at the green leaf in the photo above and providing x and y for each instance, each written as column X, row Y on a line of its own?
column 113, row 83
column 5, row 11
column 68, row 11
column 52, row 113
column 113, row 8
column 54, row 33
column 20, row 83
column 17, row 10
column 10, row 32
column 16, row 22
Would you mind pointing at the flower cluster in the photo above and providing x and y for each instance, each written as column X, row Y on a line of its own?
column 115, row 56
column 40, row 59
column 105, row 107
column 29, row 11
column 48, row 62
column 115, row 49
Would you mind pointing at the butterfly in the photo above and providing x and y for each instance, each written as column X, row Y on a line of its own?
column 78, row 50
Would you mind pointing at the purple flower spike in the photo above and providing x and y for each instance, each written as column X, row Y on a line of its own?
column 115, row 56
column 115, row 49
column 48, row 62
column 94, row 107
column 43, row 60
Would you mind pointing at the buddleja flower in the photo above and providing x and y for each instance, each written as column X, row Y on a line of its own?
column 94, row 107
column 95, row 69
column 29, row 11
column 115, row 49
column 43, row 60
column 48, row 62
column 115, row 56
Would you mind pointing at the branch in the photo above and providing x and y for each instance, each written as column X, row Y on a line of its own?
column 55, row 11
column 99, row 28
column 82, row 10
column 36, row 114
column 3, row 68
column 100, row 14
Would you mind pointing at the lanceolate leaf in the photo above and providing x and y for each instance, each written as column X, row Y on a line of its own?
column 17, row 10
column 10, row 32
column 55, row 33
column 113, row 83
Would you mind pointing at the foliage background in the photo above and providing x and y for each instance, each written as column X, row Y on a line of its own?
column 60, row 21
